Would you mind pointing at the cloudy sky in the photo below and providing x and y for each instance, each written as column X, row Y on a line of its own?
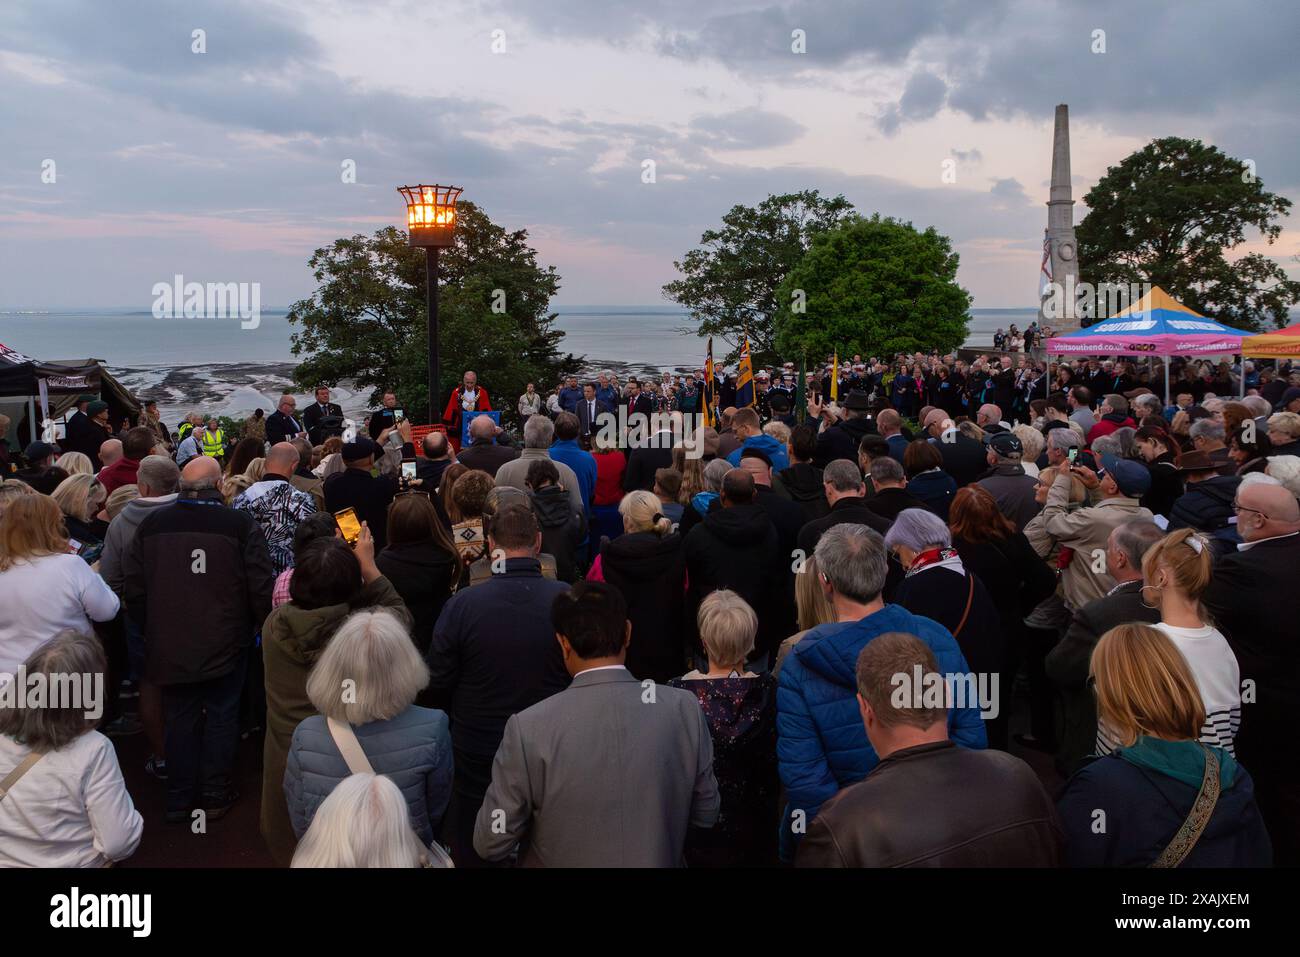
column 226, row 165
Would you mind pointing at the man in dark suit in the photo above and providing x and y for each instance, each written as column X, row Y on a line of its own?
column 283, row 425
column 889, row 482
column 1068, row 663
column 483, row 452
column 844, row 490
column 1254, row 600
column 494, row 655
column 76, row 437
column 589, row 410
column 319, row 410
column 649, row 454
column 964, row 458
column 594, row 776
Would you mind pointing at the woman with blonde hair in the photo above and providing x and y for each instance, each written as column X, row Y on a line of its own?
column 1166, row 798
column 63, row 802
column 378, row 728
column 692, row 470
column 118, row 500
column 363, row 823
column 646, row 564
column 811, row 605
column 76, row 463
column 80, row 497
column 740, row 709
column 46, row 588
column 331, row 458
column 1176, row 571
column 13, row 489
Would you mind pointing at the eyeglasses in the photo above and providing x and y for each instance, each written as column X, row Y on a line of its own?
column 1238, row 507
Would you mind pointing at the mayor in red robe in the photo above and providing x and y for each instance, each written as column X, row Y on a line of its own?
column 468, row 396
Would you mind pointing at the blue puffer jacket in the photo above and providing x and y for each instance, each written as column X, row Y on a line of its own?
column 774, row 449
column 413, row 750
column 821, row 744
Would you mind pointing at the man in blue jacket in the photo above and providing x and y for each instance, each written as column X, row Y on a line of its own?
column 821, row 744
column 746, row 425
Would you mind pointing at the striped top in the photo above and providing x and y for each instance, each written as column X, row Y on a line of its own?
column 1218, row 679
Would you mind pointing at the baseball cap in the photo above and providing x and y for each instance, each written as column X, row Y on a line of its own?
column 99, row 405
column 36, row 451
column 1133, row 479
column 360, row 448
column 1005, row 443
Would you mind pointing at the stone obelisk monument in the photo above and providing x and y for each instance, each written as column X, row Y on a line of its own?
column 1060, row 230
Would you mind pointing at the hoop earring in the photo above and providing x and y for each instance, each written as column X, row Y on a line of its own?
column 1142, row 597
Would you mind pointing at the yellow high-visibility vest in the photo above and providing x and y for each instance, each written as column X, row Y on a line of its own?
column 214, row 443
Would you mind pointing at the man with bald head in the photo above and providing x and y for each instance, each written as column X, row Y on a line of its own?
column 197, row 582
column 276, row 505
column 110, row 450
column 1254, row 600
column 466, row 399
column 787, row 517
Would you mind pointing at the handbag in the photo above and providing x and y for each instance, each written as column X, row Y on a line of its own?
column 1198, row 817
column 355, row 758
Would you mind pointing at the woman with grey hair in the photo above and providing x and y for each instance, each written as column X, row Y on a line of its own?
column 364, row 685
column 937, row 585
column 740, row 708
column 363, row 823
column 63, row 802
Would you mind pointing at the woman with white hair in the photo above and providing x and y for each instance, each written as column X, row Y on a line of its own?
column 63, row 802
column 1286, row 469
column 1033, row 443
column 364, row 686
column 363, row 823
column 740, row 708
column 937, row 585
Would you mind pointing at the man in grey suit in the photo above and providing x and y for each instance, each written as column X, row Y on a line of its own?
column 608, row 773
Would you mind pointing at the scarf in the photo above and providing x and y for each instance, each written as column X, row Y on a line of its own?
column 1181, row 760
column 935, row 558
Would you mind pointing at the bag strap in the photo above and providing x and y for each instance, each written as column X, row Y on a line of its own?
column 1202, row 809
column 970, row 597
column 349, row 746
column 16, row 774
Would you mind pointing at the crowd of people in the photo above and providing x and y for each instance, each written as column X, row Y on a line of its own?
column 812, row 636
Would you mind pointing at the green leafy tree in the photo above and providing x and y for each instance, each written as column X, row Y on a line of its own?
column 1170, row 213
column 875, row 286
column 367, row 319
column 729, row 283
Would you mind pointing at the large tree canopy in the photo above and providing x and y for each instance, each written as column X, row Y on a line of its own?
column 875, row 286
column 1169, row 214
column 367, row 321
column 729, row 282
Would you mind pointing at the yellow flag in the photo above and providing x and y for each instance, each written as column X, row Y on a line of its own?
column 835, row 377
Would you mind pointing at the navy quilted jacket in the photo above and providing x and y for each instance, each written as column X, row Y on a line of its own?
column 821, row 744
column 412, row 749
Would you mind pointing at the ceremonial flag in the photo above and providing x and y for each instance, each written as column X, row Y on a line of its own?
column 707, row 398
column 745, row 378
column 835, row 377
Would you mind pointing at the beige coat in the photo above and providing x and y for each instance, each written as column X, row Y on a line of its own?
column 1086, row 531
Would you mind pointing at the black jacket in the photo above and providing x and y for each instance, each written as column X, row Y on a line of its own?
column 642, row 464
column 787, row 517
column 846, row 511
column 965, row 459
column 368, row 494
column 1254, row 601
column 429, row 471
column 944, row 595
column 650, row 572
column 888, row 502
column 1068, row 662
column 312, row 417
column 738, row 548
column 279, row 427
column 563, row 529
column 424, row 575
column 1207, row 506
column 1166, row 486
column 486, row 456
column 198, row 582
column 803, row 482
column 841, row 440
column 982, row 809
